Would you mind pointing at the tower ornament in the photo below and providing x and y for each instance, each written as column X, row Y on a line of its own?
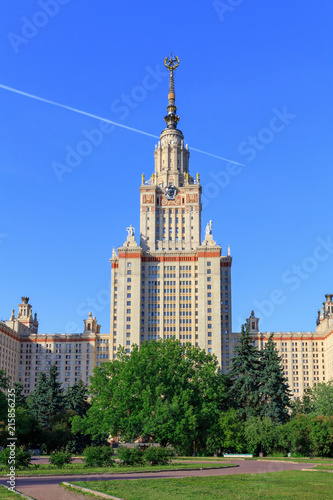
column 130, row 230
column 170, row 192
column 171, row 118
column 171, row 63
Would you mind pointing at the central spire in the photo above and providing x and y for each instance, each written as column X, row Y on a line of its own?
column 171, row 118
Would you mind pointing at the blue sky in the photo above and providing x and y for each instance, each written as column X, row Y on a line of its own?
column 254, row 85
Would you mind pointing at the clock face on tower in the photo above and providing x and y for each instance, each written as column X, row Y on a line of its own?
column 170, row 192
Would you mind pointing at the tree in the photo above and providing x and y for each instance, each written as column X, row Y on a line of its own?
column 38, row 401
column 260, row 434
column 317, row 401
column 47, row 399
column 55, row 392
column 304, row 405
column 4, row 380
column 27, row 428
column 75, row 398
column 20, row 399
column 164, row 391
column 322, row 395
column 294, row 436
column 4, row 384
column 245, row 376
column 228, row 435
column 275, row 393
column 321, row 435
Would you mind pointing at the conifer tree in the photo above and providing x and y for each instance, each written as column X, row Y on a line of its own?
column 47, row 399
column 274, row 385
column 20, row 399
column 38, row 401
column 56, row 397
column 245, row 376
column 76, row 397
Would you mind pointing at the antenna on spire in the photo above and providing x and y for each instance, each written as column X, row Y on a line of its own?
column 171, row 118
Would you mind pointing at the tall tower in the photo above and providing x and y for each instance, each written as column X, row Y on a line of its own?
column 171, row 284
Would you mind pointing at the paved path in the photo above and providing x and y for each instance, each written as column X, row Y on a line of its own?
column 46, row 488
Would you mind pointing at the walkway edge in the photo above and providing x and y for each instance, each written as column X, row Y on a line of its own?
column 87, row 490
column 18, row 493
column 316, row 470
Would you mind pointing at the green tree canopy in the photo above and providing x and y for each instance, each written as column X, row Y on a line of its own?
column 316, row 400
column 322, row 397
column 163, row 390
column 260, row 435
column 275, row 393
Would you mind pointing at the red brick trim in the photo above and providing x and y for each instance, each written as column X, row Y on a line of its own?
column 209, row 254
column 176, row 258
column 130, row 255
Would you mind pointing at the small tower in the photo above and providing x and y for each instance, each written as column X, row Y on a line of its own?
column 325, row 317
column 90, row 324
column 253, row 323
column 24, row 315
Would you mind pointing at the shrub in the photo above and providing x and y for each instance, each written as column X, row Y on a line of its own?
column 130, row 456
column 157, row 455
column 98, row 456
column 59, row 458
column 22, row 457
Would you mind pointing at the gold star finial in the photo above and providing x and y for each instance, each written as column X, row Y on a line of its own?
column 171, row 63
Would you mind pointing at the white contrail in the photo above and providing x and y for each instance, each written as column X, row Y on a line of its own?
column 16, row 91
column 215, row 156
column 106, row 120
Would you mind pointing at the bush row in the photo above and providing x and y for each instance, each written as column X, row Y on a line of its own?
column 94, row 456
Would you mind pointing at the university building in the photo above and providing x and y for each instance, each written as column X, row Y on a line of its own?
column 166, row 282
column 169, row 283
column 25, row 353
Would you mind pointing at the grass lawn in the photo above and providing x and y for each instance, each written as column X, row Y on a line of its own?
column 80, row 469
column 204, row 459
column 300, row 460
column 324, row 467
column 296, row 460
column 291, row 485
column 7, row 495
